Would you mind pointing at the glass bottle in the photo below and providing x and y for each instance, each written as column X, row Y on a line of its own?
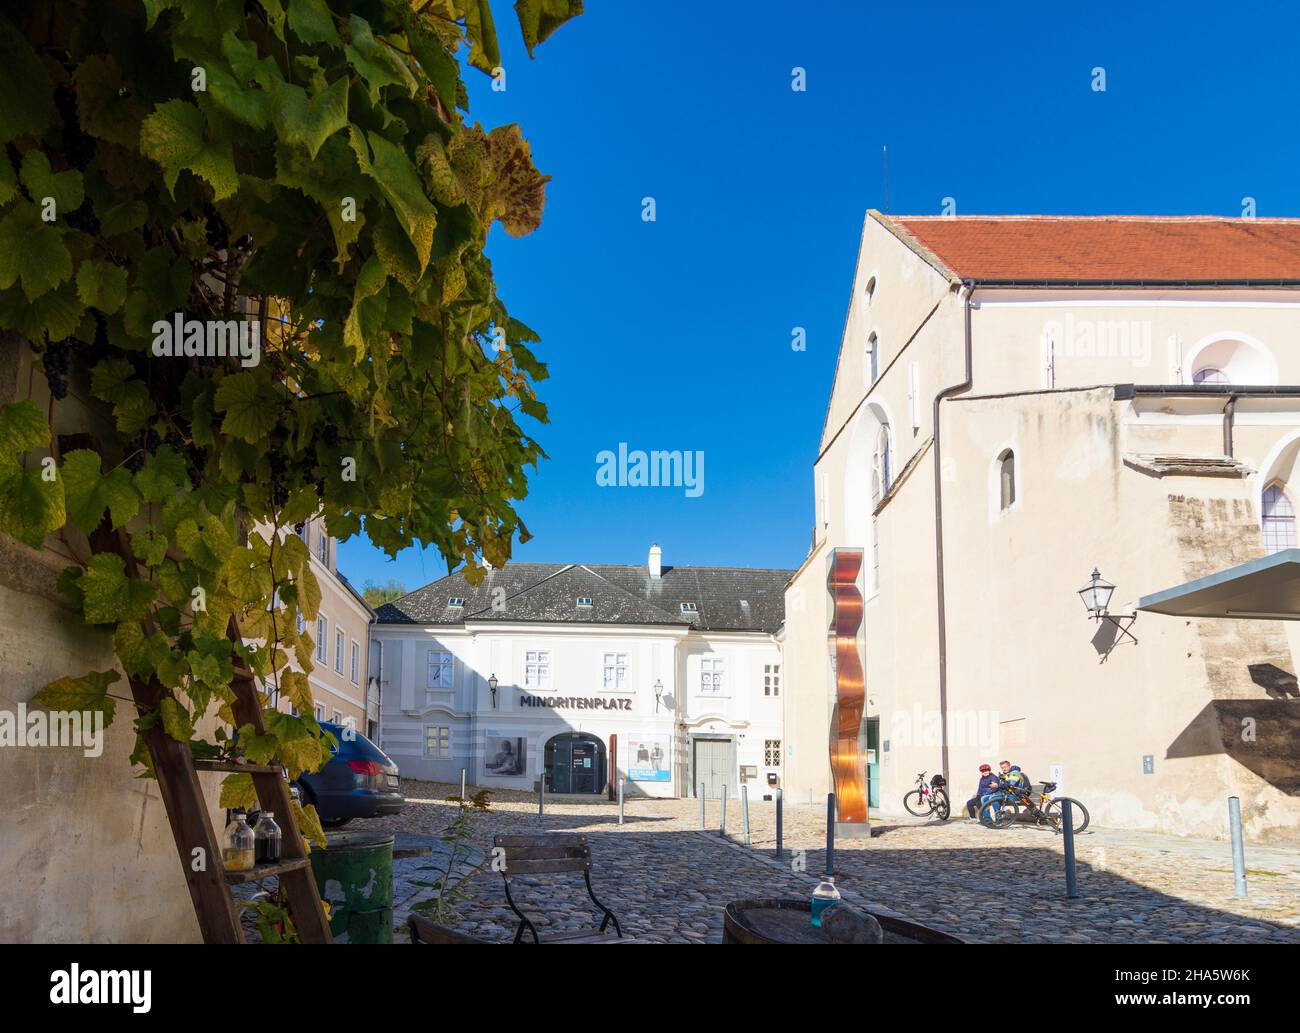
column 823, row 897
column 267, row 837
column 238, row 846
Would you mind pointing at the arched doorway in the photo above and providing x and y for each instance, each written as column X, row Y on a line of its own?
column 574, row 763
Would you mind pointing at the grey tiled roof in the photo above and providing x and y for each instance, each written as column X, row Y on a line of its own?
column 725, row 598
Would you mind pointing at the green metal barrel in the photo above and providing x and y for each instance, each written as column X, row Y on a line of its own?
column 355, row 877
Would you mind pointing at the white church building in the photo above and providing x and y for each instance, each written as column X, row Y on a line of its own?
column 668, row 677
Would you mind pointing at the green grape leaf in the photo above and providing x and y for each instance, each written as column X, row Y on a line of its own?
column 176, row 137
column 22, row 428
column 66, row 188
column 26, row 96
column 89, row 493
column 30, row 506
column 305, row 121
column 176, row 719
column 89, row 692
column 101, row 285
column 249, row 402
column 111, row 596
column 33, row 251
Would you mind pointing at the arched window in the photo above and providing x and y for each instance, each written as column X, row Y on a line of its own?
column 1210, row 375
column 873, row 359
column 1006, row 479
column 870, row 290
column 1278, row 519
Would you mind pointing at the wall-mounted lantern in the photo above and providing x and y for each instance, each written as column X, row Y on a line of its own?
column 659, row 693
column 492, row 687
column 1096, row 596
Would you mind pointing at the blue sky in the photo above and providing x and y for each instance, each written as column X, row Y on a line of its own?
column 676, row 334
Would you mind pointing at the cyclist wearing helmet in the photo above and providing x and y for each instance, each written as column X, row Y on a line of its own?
column 988, row 785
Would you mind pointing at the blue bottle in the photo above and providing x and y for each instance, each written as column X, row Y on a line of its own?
column 823, row 897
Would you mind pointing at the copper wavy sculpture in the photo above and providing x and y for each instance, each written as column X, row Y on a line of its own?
column 848, row 761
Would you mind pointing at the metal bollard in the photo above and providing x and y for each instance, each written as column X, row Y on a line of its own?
column 541, row 796
column 722, row 825
column 830, row 833
column 620, row 800
column 462, row 785
column 1238, row 849
column 778, row 822
column 1067, row 821
column 744, row 810
column 701, row 805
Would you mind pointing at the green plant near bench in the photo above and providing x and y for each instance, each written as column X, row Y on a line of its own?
column 453, row 877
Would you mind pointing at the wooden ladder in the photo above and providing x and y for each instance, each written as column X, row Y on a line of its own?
column 187, row 809
column 192, row 829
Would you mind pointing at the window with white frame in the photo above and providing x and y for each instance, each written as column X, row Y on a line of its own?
column 356, row 663
column 873, row 359
column 712, row 671
column 441, row 669
column 320, row 711
column 323, row 546
column 1006, row 479
column 1278, row 521
column 302, row 624
column 615, row 671
column 537, row 668
column 338, row 650
column 772, row 752
column 322, row 638
column 771, row 679
column 338, row 717
column 437, row 741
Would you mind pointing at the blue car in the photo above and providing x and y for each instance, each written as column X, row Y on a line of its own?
column 359, row 781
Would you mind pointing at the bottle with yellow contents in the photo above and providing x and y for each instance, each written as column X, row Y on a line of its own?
column 237, row 849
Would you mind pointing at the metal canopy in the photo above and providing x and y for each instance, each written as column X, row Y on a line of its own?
column 1264, row 588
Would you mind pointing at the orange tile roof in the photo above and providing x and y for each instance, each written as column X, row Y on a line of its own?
column 1106, row 249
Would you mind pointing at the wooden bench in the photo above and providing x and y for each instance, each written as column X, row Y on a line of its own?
column 552, row 853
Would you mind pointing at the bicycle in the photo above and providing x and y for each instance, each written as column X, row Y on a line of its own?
column 929, row 799
column 1004, row 809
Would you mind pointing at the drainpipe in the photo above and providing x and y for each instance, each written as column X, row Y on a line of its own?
column 1229, row 414
column 968, row 289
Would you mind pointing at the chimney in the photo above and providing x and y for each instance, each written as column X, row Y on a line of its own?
column 654, row 563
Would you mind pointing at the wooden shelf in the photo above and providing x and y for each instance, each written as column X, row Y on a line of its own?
column 231, row 766
column 265, row 871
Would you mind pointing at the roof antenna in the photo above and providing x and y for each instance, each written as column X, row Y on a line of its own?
column 884, row 161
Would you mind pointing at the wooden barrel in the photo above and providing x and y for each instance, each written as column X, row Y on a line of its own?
column 786, row 920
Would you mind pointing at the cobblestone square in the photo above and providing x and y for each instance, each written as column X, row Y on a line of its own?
column 668, row 882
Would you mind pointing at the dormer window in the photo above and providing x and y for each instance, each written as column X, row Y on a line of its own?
column 690, row 608
column 584, row 602
column 456, row 602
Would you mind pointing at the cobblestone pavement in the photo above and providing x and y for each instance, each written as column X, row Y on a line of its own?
column 667, row 881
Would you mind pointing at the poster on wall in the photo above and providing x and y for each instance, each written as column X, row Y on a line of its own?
column 506, row 755
column 647, row 760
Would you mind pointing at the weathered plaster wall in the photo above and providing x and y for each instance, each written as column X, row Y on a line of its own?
column 85, row 847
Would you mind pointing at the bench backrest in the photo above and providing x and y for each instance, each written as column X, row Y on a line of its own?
column 538, row 855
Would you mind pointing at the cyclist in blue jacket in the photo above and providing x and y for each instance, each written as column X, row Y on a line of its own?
column 988, row 785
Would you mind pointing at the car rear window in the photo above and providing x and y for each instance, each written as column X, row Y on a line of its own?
column 359, row 747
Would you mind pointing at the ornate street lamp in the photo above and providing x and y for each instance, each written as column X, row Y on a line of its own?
column 659, row 693
column 492, row 685
column 1096, row 595
column 1096, row 600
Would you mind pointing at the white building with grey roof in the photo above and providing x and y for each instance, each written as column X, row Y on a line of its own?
column 581, row 674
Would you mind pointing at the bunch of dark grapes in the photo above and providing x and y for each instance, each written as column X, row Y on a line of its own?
column 135, row 461
column 56, row 360
column 78, row 147
column 330, row 434
column 215, row 229
column 84, row 219
column 279, row 466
